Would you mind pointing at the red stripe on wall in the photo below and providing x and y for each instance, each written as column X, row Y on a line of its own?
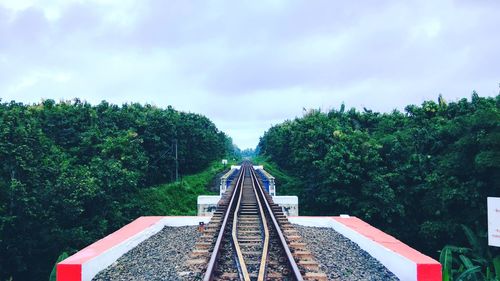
column 429, row 272
column 428, row 269
column 69, row 272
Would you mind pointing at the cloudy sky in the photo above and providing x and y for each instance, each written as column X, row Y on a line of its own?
column 249, row 64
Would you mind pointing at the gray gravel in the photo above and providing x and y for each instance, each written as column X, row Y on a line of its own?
column 340, row 258
column 164, row 254
column 157, row 258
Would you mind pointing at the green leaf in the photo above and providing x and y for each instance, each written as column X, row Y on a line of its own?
column 62, row 257
column 445, row 258
column 471, row 274
column 496, row 265
column 459, row 250
column 473, row 240
column 466, row 261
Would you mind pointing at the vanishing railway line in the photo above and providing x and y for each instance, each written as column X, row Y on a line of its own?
column 249, row 238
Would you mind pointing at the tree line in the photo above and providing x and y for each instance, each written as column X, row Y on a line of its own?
column 70, row 171
column 418, row 174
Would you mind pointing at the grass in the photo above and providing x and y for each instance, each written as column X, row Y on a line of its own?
column 179, row 198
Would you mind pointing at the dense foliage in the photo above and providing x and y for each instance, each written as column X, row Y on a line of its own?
column 70, row 172
column 418, row 175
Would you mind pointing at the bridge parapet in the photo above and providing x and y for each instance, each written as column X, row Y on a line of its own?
column 227, row 178
column 267, row 180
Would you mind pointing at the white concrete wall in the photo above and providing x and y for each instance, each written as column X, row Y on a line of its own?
column 207, row 204
column 289, row 204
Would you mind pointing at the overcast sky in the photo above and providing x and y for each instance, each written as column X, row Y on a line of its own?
column 249, row 64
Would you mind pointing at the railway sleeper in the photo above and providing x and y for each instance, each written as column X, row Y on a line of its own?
column 255, row 224
column 249, row 237
column 249, row 212
column 303, row 255
column 198, row 261
column 207, row 238
column 293, row 238
column 249, row 226
column 203, row 245
column 290, row 232
column 269, row 263
column 251, row 253
column 245, row 232
column 252, row 208
column 212, row 230
column 213, row 226
column 234, row 276
column 298, row 245
column 250, row 241
column 199, row 253
column 249, row 218
column 251, row 244
column 315, row 276
column 308, row 265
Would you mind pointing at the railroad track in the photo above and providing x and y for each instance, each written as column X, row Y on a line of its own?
column 249, row 238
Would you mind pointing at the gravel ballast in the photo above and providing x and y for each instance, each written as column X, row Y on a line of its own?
column 164, row 255
column 340, row 258
column 157, row 258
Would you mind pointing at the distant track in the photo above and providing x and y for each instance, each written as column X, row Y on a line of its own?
column 252, row 238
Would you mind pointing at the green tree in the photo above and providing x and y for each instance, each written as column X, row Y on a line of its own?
column 417, row 174
column 71, row 172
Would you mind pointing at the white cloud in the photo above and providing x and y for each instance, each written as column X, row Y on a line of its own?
column 247, row 65
column 31, row 80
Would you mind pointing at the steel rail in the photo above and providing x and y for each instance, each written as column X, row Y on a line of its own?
column 241, row 260
column 263, row 260
column 216, row 252
column 291, row 260
column 265, row 248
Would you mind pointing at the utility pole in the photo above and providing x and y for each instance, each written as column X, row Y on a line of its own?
column 170, row 151
column 176, row 163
